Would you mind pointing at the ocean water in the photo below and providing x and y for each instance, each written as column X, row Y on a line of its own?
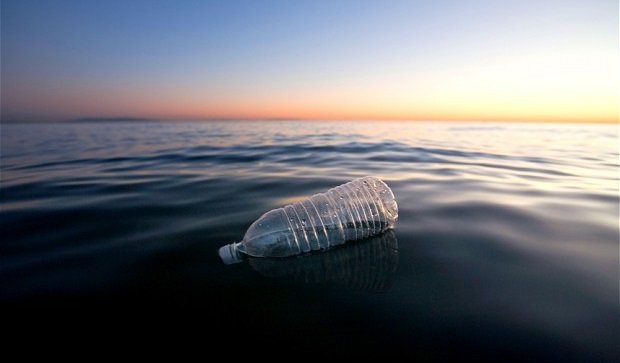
column 506, row 246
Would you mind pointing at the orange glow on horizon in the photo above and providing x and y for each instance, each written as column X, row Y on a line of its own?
column 530, row 89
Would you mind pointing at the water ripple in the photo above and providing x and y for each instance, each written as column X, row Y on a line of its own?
column 508, row 227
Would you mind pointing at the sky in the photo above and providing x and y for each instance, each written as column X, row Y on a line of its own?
column 524, row 60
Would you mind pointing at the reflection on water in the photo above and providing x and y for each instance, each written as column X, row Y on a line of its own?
column 368, row 265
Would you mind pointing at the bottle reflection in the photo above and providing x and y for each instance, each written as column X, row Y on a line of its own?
column 368, row 265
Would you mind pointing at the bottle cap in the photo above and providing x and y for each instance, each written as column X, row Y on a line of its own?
column 229, row 254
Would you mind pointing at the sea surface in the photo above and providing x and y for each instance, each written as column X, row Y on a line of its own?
column 506, row 246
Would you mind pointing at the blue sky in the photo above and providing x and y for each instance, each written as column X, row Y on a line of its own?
column 310, row 59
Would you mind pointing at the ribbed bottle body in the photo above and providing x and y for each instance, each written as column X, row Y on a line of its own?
column 358, row 209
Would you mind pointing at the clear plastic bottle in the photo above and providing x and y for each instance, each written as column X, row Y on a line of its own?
column 358, row 209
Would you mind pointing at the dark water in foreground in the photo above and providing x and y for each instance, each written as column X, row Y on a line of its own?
column 507, row 242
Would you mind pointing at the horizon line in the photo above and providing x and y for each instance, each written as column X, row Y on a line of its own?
column 265, row 119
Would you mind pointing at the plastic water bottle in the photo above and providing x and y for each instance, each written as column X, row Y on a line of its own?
column 358, row 209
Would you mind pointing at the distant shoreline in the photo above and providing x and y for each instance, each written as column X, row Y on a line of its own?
column 113, row 119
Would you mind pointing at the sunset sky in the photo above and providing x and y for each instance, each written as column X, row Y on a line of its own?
column 520, row 60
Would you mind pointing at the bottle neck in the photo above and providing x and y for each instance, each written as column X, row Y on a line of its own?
column 231, row 253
